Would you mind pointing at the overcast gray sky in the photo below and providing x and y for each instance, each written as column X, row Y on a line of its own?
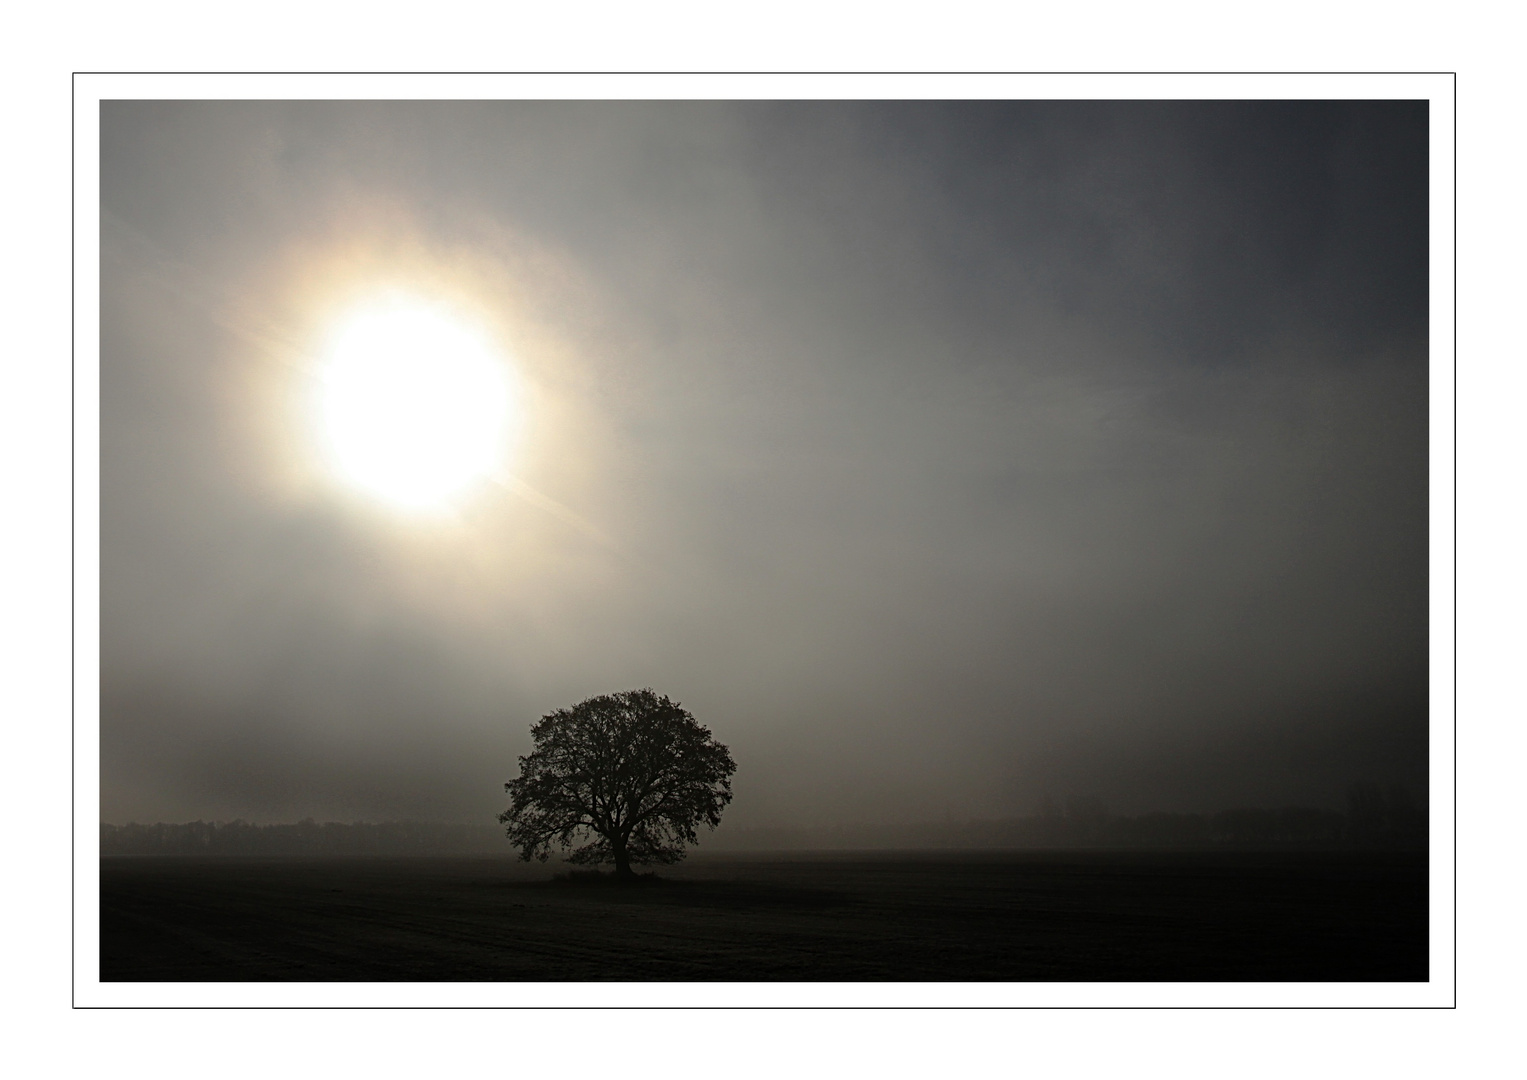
column 938, row 456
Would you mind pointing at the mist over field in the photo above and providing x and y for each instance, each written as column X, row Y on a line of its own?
column 941, row 458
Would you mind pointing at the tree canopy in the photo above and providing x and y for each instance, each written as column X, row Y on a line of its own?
column 621, row 778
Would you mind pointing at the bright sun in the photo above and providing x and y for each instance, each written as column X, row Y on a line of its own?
column 414, row 405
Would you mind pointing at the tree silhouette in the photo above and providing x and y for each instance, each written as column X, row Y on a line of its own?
column 626, row 776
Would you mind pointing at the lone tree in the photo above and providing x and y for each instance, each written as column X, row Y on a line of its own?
column 628, row 776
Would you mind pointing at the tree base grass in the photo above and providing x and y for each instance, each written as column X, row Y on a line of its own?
column 598, row 878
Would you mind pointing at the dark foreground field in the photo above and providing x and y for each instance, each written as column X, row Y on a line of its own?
column 1010, row 916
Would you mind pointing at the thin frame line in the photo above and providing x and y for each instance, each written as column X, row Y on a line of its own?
column 74, row 567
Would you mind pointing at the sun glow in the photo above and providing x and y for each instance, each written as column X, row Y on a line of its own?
column 414, row 405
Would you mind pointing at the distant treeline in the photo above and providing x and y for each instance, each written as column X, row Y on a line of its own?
column 304, row 838
column 1374, row 818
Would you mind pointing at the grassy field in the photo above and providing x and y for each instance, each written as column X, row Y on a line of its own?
column 1096, row 916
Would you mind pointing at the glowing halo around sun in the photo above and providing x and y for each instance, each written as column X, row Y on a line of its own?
column 414, row 405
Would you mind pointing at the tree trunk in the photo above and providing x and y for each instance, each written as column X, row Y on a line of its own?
column 622, row 862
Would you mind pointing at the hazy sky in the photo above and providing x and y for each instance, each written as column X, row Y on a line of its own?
column 937, row 456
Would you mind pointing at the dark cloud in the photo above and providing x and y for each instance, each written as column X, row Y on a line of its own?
column 939, row 455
